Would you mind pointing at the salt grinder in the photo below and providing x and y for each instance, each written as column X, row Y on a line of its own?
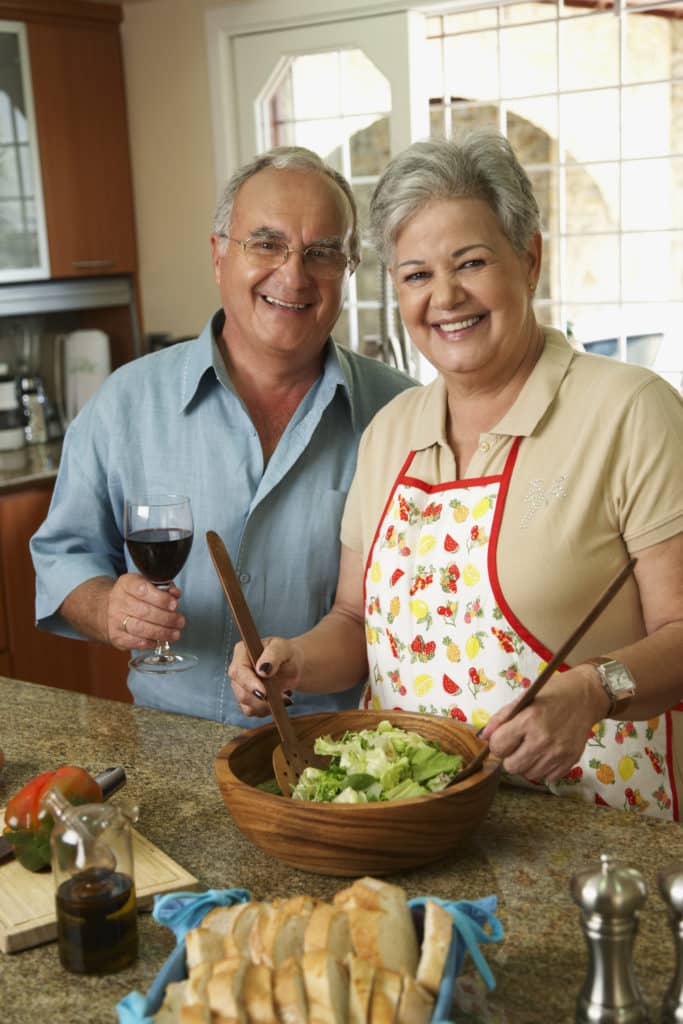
column 610, row 899
column 671, row 887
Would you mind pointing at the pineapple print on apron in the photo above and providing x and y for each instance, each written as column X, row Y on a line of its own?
column 442, row 639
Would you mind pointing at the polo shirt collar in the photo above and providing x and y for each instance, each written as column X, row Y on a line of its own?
column 528, row 410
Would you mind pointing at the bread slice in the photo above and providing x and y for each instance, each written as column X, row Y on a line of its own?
column 386, row 993
column 199, row 1013
column 262, row 933
column 221, row 919
column 436, row 942
column 382, row 929
column 225, row 990
column 361, row 977
column 202, row 945
column 327, row 988
column 278, row 930
column 289, row 992
column 197, row 983
column 257, row 995
column 416, row 1004
column 236, row 941
column 328, row 929
column 174, row 998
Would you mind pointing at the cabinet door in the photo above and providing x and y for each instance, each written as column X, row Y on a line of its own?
column 34, row 655
column 80, row 108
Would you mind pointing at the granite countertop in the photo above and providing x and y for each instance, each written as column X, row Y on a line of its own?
column 32, row 464
column 525, row 852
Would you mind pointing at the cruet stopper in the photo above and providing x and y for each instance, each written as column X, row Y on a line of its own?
column 610, row 898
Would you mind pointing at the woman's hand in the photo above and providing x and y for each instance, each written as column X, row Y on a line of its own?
column 545, row 741
column 140, row 615
column 281, row 663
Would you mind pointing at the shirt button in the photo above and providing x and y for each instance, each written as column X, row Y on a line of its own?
column 484, row 446
column 244, row 577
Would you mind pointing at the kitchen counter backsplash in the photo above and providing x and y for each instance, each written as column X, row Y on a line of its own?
column 31, row 464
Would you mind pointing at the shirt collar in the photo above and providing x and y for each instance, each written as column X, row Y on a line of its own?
column 201, row 356
column 530, row 406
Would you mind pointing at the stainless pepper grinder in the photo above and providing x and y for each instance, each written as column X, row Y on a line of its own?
column 610, row 899
column 671, row 887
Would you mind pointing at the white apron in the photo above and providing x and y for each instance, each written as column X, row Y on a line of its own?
column 443, row 640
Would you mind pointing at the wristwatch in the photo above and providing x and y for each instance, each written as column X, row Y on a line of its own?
column 617, row 682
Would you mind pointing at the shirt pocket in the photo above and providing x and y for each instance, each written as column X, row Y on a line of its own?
column 321, row 551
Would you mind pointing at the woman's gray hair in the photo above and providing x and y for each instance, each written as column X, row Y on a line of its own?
column 482, row 165
column 284, row 158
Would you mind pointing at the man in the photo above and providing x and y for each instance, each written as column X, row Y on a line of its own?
column 257, row 421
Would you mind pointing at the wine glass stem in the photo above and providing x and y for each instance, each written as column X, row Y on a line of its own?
column 163, row 649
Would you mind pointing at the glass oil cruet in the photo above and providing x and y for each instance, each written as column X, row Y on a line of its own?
column 92, row 864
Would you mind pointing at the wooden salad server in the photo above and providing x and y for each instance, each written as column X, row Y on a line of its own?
column 598, row 608
column 292, row 756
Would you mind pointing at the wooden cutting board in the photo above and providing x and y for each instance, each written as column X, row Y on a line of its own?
column 27, row 899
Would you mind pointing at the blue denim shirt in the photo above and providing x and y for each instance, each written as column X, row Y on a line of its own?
column 171, row 422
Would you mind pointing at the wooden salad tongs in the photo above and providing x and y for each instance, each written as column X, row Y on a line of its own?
column 598, row 608
column 292, row 755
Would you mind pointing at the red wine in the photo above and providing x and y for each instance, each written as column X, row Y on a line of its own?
column 159, row 554
column 97, row 927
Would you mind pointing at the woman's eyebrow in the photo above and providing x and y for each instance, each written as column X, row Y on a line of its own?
column 456, row 254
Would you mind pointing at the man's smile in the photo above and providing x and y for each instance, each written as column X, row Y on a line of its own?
column 285, row 305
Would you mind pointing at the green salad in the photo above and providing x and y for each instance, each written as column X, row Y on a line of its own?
column 386, row 763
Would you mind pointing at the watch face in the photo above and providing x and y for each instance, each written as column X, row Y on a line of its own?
column 619, row 678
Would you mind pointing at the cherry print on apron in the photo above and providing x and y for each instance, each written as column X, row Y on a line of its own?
column 443, row 640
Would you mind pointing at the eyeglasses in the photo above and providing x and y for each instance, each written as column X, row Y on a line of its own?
column 322, row 261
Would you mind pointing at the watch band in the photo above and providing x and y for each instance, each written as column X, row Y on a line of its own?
column 617, row 701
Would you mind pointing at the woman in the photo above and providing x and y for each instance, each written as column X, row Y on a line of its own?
column 490, row 509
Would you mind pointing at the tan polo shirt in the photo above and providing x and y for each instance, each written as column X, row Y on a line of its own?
column 599, row 473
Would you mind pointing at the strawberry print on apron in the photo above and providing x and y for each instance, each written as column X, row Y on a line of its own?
column 442, row 639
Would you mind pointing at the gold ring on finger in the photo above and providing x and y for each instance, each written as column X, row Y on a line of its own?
column 124, row 624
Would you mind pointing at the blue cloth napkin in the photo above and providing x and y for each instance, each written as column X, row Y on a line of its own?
column 474, row 922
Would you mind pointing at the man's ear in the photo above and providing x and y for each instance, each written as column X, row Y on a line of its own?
column 216, row 256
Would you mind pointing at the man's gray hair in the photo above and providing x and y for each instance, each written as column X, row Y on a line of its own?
column 284, row 158
column 482, row 165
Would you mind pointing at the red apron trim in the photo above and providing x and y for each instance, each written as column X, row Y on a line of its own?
column 452, row 485
column 670, row 763
column 536, row 645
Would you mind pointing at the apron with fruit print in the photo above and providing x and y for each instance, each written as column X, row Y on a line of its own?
column 442, row 639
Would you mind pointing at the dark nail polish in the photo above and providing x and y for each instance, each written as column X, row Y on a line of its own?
column 266, row 668
column 287, row 693
column 287, row 701
column 259, row 694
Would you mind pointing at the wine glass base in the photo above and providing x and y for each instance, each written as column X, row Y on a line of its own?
column 161, row 663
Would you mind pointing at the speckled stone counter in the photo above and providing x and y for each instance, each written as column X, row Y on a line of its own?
column 525, row 852
column 32, row 464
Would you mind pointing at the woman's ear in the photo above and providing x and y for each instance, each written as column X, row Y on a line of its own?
column 535, row 256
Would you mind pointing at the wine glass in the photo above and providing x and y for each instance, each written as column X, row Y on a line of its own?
column 159, row 532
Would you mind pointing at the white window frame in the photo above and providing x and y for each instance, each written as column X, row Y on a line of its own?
column 42, row 268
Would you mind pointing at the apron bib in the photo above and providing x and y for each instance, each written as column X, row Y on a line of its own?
column 442, row 639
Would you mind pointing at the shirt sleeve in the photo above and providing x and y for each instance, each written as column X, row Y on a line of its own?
column 82, row 536
column 648, row 477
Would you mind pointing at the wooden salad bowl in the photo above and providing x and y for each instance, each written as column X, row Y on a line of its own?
column 355, row 839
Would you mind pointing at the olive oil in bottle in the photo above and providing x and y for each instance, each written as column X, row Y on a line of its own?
column 97, row 922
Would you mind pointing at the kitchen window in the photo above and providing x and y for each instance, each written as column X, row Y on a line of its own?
column 592, row 101
column 23, row 239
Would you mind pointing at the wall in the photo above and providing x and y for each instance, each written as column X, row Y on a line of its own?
column 173, row 160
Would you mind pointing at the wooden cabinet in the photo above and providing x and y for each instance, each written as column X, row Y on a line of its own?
column 30, row 653
column 81, row 125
